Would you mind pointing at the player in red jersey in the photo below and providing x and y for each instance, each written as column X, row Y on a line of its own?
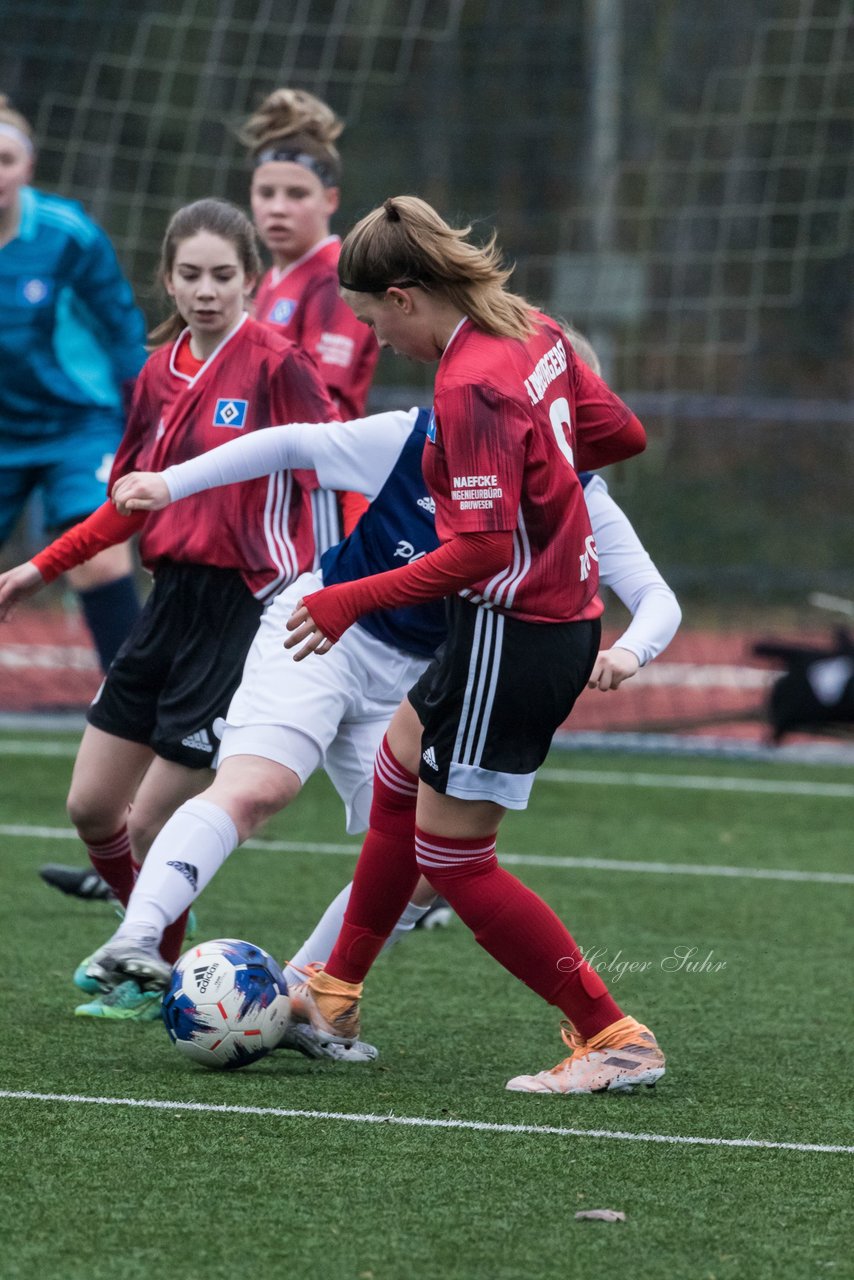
column 294, row 193
column 154, row 725
column 516, row 415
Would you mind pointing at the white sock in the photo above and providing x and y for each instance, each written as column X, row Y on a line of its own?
column 318, row 946
column 412, row 913
column 188, row 852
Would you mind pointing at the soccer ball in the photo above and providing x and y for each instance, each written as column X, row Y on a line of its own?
column 227, row 1004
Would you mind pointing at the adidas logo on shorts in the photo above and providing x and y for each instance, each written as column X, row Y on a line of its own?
column 188, row 871
column 199, row 741
column 429, row 757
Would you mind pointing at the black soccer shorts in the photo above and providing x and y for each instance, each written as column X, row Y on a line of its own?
column 492, row 698
column 173, row 678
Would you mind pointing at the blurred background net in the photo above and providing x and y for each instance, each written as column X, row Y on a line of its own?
column 674, row 178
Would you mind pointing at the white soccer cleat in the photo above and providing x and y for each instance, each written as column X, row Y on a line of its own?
column 120, row 959
column 303, row 1038
column 624, row 1055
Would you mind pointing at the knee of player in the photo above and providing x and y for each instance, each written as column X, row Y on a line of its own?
column 92, row 814
column 251, row 797
column 251, row 812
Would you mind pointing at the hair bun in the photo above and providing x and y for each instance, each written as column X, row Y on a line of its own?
column 289, row 112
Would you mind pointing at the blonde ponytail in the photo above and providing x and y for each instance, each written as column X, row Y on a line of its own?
column 406, row 243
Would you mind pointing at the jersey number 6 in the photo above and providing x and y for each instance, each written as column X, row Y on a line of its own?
column 561, row 421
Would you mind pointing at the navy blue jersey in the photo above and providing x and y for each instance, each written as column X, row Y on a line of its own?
column 71, row 332
column 398, row 527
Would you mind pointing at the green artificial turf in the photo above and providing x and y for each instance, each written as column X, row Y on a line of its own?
column 756, row 1038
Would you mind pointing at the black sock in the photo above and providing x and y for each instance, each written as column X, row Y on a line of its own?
column 110, row 612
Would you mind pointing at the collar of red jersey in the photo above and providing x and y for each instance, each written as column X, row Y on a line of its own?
column 465, row 320
column 176, row 344
column 280, row 273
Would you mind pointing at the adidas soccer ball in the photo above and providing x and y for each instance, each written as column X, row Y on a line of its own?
column 227, row 1004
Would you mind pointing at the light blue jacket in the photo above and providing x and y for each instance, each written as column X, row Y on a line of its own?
column 70, row 331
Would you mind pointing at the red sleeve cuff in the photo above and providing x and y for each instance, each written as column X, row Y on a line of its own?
column 104, row 528
column 466, row 559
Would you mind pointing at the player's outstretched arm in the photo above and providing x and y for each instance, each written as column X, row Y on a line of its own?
column 323, row 617
column 141, row 491
column 16, row 584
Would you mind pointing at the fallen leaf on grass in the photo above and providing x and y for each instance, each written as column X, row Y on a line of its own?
column 602, row 1215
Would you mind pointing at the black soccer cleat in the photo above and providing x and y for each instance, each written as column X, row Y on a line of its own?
column 77, row 882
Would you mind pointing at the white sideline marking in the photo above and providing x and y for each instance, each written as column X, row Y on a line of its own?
column 15, row 748
column 48, row 657
column 705, row 675
column 425, row 1122
column 699, row 782
column 510, row 859
column 674, row 868
column 592, row 777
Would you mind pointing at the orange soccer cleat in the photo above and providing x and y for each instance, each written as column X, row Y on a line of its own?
column 622, row 1056
column 330, row 1005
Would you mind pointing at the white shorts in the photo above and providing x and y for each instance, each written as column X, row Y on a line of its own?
column 329, row 709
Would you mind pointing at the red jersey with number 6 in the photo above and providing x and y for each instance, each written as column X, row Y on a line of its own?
column 255, row 379
column 514, row 423
column 302, row 301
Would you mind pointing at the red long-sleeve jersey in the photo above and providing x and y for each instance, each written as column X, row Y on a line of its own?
column 262, row 528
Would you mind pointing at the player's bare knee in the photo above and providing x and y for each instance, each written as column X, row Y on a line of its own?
column 250, row 795
column 257, row 809
column 92, row 815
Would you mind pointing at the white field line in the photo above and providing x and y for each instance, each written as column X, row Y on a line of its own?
column 509, row 859
column 48, row 657
column 699, row 782
column 425, row 1122
column 13, row 747
column 705, row 675
column 671, row 675
column 589, row 777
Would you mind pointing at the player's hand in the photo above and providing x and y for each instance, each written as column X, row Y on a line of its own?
column 611, row 668
column 140, row 491
column 303, row 628
column 16, row 584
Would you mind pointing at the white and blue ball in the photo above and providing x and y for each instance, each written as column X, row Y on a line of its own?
column 227, row 1004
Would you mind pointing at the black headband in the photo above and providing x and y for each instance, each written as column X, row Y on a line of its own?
column 381, row 288
column 292, row 155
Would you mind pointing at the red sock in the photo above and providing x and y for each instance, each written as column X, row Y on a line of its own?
column 516, row 927
column 115, row 863
column 173, row 938
column 386, row 872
